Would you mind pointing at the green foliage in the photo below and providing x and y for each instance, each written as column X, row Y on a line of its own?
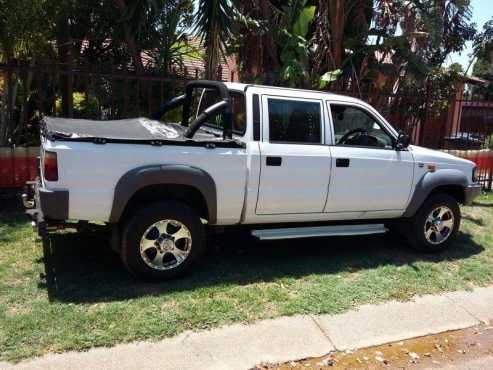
column 300, row 26
column 483, row 68
column 296, row 19
column 329, row 77
column 83, row 106
column 447, row 25
column 23, row 31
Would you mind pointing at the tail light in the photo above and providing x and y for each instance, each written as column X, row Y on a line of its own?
column 475, row 174
column 50, row 169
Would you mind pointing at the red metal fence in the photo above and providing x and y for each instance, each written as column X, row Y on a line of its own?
column 17, row 165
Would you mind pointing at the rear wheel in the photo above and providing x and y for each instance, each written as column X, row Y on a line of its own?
column 162, row 241
column 435, row 225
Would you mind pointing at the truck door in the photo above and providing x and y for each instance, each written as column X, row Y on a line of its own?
column 295, row 164
column 368, row 173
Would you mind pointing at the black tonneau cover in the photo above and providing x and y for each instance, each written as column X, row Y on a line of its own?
column 133, row 130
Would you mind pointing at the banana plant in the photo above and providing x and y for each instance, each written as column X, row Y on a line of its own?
column 297, row 18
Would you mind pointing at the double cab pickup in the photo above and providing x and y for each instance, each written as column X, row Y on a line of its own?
column 281, row 163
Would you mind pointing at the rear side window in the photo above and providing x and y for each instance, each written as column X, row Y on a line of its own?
column 292, row 121
column 210, row 97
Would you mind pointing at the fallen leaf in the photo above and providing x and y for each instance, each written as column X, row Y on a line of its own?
column 414, row 357
column 326, row 362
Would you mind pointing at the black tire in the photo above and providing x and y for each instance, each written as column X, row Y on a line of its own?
column 138, row 226
column 416, row 227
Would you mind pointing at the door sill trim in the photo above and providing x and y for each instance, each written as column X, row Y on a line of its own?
column 318, row 231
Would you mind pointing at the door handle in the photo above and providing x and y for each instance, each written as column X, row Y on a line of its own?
column 342, row 162
column 273, row 161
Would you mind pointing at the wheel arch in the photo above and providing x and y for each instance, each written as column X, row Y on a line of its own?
column 185, row 183
column 447, row 181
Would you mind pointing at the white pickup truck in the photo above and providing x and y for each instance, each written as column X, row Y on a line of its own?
column 284, row 163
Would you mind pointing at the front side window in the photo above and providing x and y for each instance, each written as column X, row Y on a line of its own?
column 355, row 127
column 292, row 121
column 210, row 97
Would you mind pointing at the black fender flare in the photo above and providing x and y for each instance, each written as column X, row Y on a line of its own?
column 175, row 174
column 429, row 182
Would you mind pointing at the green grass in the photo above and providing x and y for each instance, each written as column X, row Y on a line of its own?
column 73, row 293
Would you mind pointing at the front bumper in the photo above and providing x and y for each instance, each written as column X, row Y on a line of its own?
column 45, row 206
column 471, row 192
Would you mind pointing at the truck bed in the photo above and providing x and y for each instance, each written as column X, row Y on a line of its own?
column 132, row 130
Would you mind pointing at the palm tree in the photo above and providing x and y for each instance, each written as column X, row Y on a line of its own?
column 214, row 21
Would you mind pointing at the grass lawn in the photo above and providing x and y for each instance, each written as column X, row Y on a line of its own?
column 73, row 293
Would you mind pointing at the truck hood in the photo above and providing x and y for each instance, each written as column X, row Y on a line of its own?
column 435, row 156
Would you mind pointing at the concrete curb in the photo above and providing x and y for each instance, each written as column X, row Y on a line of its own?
column 287, row 338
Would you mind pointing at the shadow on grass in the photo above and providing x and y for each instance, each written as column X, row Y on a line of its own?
column 484, row 205
column 481, row 203
column 474, row 220
column 11, row 210
column 82, row 268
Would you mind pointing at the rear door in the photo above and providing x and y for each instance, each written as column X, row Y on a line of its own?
column 295, row 163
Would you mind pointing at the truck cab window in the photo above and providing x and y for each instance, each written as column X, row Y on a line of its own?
column 293, row 121
column 209, row 97
column 354, row 127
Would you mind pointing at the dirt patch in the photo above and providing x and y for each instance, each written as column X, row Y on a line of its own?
column 418, row 353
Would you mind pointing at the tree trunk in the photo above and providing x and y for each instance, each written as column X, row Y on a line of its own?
column 337, row 16
column 213, row 53
column 65, row 59
column 27, row 92
column 271, row 58
column 252, row 63
column 5, row 112
column 133, row 49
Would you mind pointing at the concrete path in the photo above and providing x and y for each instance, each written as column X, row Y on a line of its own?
column 289, row 338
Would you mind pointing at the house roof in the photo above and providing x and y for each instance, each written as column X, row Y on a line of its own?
column 474, row 80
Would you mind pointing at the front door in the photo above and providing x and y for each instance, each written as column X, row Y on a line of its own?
column 368, row 173
column 295, row 164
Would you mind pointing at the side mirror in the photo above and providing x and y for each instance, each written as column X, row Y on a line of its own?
column 403, row 141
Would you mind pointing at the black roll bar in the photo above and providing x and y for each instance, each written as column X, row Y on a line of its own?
column 211, row 111
column 226, row 109
column 169, row 105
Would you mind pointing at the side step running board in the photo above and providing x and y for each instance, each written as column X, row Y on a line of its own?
column 308, row 232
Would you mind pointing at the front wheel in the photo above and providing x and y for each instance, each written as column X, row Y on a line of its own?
column 435, row 225
column 162, row 241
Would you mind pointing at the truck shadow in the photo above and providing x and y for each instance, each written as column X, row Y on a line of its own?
column 82, row 269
